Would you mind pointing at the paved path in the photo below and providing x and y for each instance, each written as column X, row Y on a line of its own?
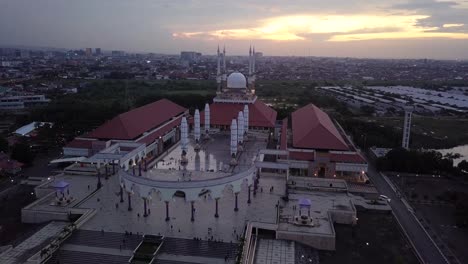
column 99, row 250
column 422, row 242
column 192, row 259
column 33, row 244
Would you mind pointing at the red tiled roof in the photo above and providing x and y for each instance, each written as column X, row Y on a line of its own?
column 160, row 132
column 80, row 143
column 347, row 158
column 310, row 156
column 135, row 122
column 260, row 115
column 312, row 128
column 10, row 164
column 284, row 134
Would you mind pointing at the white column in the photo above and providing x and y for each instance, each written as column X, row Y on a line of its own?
column 197, row 125
column 240, row 127
column 233, row 138
column 184, row 134
column 207, row 118
column 246, row 118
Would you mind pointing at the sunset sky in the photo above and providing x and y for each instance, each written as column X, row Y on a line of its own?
column 354, row 28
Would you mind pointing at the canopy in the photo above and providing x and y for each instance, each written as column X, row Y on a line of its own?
column 61, row 185
column 303, row 202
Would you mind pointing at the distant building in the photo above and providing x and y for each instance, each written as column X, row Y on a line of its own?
column 22, row 102
column 117, row 53
column 258, row 54
column 25, row 54
column 190, row 56
column 89, row 52
column 236, row 92
column 98, row 51
column 29, row 129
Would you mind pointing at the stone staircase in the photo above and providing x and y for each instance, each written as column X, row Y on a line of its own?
column 190, row 247
column 76, row 257
column 105, row 240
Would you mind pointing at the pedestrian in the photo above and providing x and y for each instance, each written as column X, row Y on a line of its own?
column 88, row 187
column 138, row 215
column 171, row 227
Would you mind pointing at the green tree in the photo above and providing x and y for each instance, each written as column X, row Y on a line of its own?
column 3, row 144
column 22, row 153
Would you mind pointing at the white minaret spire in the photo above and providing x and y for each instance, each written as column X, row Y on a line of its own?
column 218, row 68
column 207, row 119
column 218, row 71
column 246, row 118
column 250, row 61
column 240, row 127
column 253, row 61
column 224, row 59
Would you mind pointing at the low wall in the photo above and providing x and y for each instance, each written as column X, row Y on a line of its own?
column 37, row 216
column 343, row 217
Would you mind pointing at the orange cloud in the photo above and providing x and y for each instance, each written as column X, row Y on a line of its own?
column 340, row 27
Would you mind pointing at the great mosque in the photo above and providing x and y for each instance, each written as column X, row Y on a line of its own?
column 230, row 173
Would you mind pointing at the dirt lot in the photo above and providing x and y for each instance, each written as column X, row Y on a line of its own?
column 376, row 239
column 434, row 202
column 12, row 231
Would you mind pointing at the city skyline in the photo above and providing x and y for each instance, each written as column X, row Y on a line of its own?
column 380, row 29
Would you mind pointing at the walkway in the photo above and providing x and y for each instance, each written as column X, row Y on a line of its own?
column 32, row 245
column 419, row 238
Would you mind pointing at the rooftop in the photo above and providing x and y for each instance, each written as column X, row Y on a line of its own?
column 312, row 128
column 260, row 114
column 131, row 124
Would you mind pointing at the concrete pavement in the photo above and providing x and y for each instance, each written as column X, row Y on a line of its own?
column 427, row 250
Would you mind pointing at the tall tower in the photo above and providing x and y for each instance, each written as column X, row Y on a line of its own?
column 252, row 86
column 218, row 71
column 407, row 127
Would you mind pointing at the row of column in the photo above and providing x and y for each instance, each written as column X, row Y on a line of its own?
column 192, row 204
column 99, row 183
column 140, row 168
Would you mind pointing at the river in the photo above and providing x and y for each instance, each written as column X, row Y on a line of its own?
column 462, row 150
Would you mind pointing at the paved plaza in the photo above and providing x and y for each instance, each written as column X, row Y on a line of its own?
column 211, row 161
column 114, row 216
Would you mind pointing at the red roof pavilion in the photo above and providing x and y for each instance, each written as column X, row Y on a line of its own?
column 134, row 123
column 313, row 129
column 260, row 114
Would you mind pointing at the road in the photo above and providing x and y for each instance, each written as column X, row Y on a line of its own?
column 422, row 242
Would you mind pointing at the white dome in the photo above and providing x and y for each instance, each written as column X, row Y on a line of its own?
column 236, row 80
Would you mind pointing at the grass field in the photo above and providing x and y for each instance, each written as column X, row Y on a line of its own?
column 444, row 132
column 376, row 239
